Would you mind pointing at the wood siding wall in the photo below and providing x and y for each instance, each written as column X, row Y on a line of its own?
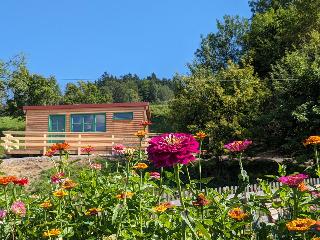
column 37, row 121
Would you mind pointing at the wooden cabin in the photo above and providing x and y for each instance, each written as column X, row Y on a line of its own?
column 99, row 125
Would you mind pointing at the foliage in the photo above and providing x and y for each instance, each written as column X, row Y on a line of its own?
column 30, row 89
column 225, row 105
column 216, row 49
column 11, row 124
column 296, row 101
column 160, row 118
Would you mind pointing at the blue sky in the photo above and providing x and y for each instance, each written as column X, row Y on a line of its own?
column 84, row 38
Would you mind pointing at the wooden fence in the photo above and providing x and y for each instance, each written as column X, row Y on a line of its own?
column 23, row 142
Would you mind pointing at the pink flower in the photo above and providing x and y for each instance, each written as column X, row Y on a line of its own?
column 18, row 208
column 154, row 175
column 21, row 181
column 315, row 193
column 57, row 178
column 169, row 149
column 293, row 180
column 119, row 148
column 3, row 214
column 238, row 146
column 96, row 166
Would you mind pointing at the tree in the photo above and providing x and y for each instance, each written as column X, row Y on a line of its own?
column 276, row 31
column 86, row 92
column 216, row 49
column 261, row 6
column 30, row 89
column 224, row 104
column 295, row 112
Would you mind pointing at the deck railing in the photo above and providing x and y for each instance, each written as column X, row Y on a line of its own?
column 13, row 141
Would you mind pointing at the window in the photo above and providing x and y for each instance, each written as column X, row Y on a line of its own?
column 123, row 116
column 88, row 122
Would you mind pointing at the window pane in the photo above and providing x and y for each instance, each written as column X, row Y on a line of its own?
column 77, row 119
column 89, row 119
column 100, row 123
column 76, row 127
column 54, row 126
column 88, row 127
column 123, row 116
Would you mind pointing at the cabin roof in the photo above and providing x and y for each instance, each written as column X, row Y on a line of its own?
column 77, row 106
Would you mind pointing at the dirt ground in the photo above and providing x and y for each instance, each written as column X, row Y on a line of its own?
column 30, row 167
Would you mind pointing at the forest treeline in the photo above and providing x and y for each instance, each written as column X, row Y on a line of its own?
column 256, row 78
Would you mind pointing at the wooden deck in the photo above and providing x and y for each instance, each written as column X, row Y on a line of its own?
column 37, row 143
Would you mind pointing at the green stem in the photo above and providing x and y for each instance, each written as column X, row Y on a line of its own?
column 140, row 212
column 177, row 175
column 160, row 187
column 200, row 172
column 295, row 203
column 316, row 156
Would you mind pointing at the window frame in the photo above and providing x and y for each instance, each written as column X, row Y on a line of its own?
column 82, row 123
column 115, row 119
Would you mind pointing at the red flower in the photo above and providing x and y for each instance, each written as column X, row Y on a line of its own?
column 201, row 201
column 154, row 175
column 57, row 178
column 50, row 153
column 21, row 181
column 119, row 148
column 293, row 181
column 238, row 146
column 87, row 149
column 169, row 149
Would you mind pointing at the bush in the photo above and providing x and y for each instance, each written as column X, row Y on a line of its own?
column 11, row 124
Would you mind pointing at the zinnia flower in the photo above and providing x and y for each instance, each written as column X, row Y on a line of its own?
column 119, row 148
column 7, row 179
column 87, row 149
column 154, row 175
column 57, row 178
column 312, row 140
column 317, row 226
column 315, row 193
column 60, row 193
column 46, row 204
column 18, row 208
column 68, row 184
column 238, row 146
column 93, row 211
column 300, row 224
column 50, row 153
column 96, row 166
column 125, row 195
column 141, row 134
column 52, row 233
column 21, row 181
column 169, row 149
column 163, row 207
column 140, row 166
column 200, row 136
column 293, row 180
column 3, row 214
column 201, row 201
column 303, row 187
column 237, row 214
column 61, row 147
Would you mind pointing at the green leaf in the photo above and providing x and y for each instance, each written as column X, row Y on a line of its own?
column 203, row 230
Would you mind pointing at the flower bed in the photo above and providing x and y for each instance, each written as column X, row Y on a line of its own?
column 125, row 199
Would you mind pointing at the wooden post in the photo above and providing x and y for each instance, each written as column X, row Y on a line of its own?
column 45, row 144
column 79, row 143
column 112, row 143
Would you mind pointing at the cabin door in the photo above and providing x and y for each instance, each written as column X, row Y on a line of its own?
column 57, row 123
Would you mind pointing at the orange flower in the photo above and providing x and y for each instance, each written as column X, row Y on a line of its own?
column 50, row 153
column 52, row 233
column 68, row 184
column 200, row 135
column 60, row 193
column 237, row 214
column 300, row 224
column 125, row 195
column 162, row 207
column 60, row 147
column 93, row 211
column 312, row 140
column 46, row 204
column 303, row 187
column 7, row 179
column 317, row 226
column 201, row 200
column 140, row 166
column 141, row 134
column 316, row 238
